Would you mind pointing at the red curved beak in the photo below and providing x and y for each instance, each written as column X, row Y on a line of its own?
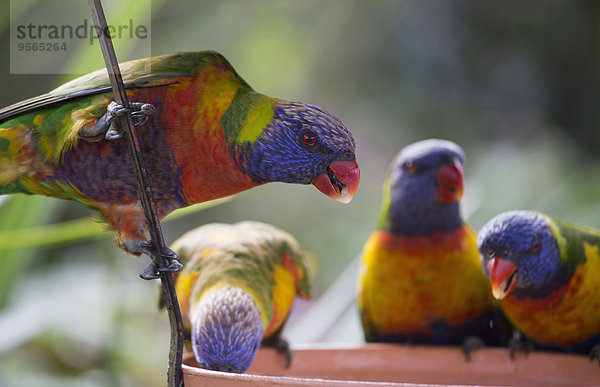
column 450, row 182
column 503, row 277
column 341, row 180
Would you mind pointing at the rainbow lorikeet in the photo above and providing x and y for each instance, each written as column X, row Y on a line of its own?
column 546, row 274
column 420, row 279
column 206, row 134
column 236, row 290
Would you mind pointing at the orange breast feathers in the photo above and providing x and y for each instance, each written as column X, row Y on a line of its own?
column 406, row 283
column 567, row 317
column 192, row 114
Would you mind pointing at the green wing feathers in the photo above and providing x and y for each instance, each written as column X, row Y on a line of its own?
column 147, row 72
column 35, row 133
column 244, row 254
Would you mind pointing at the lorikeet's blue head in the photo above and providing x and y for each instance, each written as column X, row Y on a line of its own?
column 425, row 184
column 520, row 255
column 226, row 330
column 303, row 144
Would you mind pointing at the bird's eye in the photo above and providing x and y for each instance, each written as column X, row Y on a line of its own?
column 536, row 245
column 410, row 167
column 309, row 138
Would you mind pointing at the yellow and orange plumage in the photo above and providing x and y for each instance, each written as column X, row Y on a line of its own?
column 546, row 275
column 237, row 288
column 420, row 279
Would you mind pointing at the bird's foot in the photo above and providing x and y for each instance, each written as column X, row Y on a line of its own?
column 283, row 347
column 470, row 344
column 517, row 343
column 107, row 124
column 595, row 353
column 154, row 270
column 139, row 110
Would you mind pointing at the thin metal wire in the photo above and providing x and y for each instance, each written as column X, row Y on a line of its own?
column 174, row 372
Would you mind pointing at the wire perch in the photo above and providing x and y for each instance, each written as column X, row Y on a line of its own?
column 161, row 251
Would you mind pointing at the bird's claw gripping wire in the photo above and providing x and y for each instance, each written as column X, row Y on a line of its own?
column 140, row 111
column 154, row 270
column 108, row 124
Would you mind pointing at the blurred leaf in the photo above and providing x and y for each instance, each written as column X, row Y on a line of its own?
column 64, row 233
column 52, row 234
column 19, row 212
column 198, row 207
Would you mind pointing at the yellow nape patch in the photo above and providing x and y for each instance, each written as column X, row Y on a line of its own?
column 591, row 252
column 384, row 221
column 284, row 293
column 560, row 239
column 257, row 119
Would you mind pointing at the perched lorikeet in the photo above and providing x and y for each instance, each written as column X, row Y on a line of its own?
column 420, row 279
column 546, row 274
column 211, row 135
column 236, row 289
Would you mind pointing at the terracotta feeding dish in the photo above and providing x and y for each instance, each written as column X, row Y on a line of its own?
column 384, row 364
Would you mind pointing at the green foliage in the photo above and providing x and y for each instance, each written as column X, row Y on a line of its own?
column 20, row 212
column 72, row 231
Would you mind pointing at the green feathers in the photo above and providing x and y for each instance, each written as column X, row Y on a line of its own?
column 245, row 255
column 570, row 238
column 247, row 116
column 237, row 287
column 147, row 72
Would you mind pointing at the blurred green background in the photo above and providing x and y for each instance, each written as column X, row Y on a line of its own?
column 514, row 83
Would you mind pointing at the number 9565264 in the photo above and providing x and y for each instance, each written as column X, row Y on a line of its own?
column 35, row 46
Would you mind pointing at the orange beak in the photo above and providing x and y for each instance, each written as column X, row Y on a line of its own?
column 450, row 182
column 503, row 276
column 341, row 180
